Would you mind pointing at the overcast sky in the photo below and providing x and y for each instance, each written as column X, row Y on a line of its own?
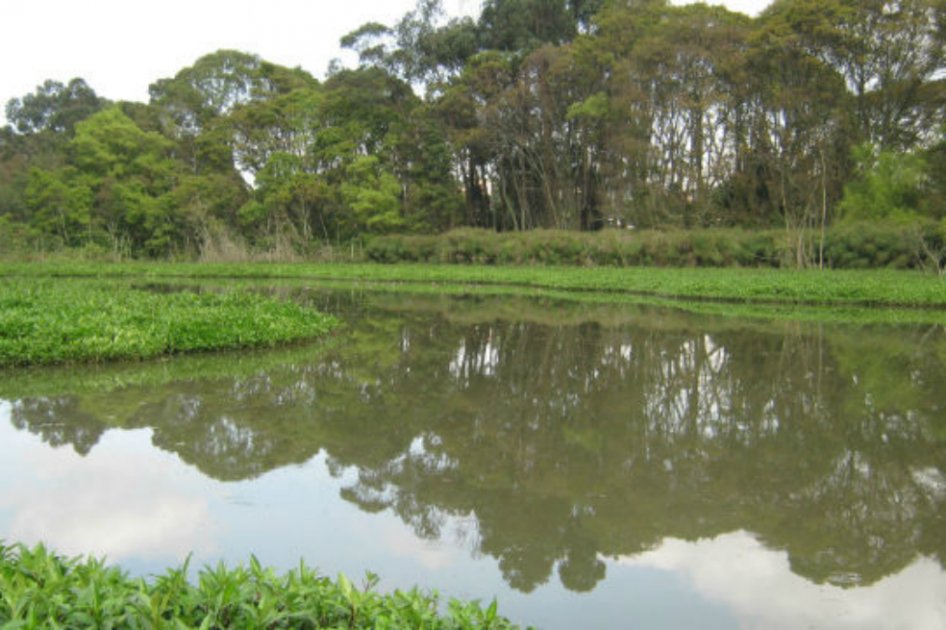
column 119, row 47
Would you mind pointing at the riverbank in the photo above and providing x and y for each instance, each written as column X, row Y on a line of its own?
column 842, row 288
column 51, row 320
column 43, row 589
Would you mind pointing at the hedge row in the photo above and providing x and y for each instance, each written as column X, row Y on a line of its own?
column 847, row 246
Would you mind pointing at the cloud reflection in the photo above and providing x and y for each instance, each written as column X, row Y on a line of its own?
column 757, row 584
column 123, row 500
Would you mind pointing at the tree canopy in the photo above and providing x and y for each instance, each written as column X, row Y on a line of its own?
column 538, row 113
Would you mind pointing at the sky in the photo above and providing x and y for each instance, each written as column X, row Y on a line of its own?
column 120, row 47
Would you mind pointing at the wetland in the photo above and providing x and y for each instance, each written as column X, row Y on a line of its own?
column 582, row 463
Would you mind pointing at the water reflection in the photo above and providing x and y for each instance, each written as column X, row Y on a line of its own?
column 560, row 445
column 123, row 500
column 756, row 583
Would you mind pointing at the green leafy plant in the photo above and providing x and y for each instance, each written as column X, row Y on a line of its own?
column 55, row 321
column 40, row 589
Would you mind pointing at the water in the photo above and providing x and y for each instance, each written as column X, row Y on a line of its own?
column 588, row 466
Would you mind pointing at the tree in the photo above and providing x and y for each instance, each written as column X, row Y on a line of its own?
column 60, row 205
column 130, row 172
column 194, row 104
column 888, row 185
column 523, row 25
column 53, row 107
column 372, row 194
column 891, row 54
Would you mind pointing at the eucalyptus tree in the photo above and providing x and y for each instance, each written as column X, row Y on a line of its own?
column 194, row 104
column 891, row 53
column 801, row 132
column 544, row 126
column 357, row 154
column 53, row 107
column 423, row 48
column 523, row 25
column 679, row 86
column 467, row 104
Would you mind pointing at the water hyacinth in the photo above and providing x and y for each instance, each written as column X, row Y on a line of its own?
column 829, row 287
column 50, row 321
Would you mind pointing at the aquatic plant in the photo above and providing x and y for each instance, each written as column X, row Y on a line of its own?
column 41, row 589
column 49, row 321
column 879, row 287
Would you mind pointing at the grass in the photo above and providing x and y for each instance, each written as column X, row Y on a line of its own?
column 847, row 288
column 39, row 589
column 46, row 321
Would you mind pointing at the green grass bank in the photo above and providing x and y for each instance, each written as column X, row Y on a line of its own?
column 843, row 288
column 40, row 589
column 49, row 320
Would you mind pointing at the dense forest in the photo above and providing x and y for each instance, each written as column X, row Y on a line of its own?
column 567, row 114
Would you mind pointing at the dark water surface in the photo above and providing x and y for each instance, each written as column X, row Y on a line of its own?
column 589, row 466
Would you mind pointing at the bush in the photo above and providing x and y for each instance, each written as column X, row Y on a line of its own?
column 847, row 246
column 865, row 245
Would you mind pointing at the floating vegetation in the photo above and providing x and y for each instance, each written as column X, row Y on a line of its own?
column 47, row 321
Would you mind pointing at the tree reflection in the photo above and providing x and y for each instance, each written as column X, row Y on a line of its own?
column 565, row 443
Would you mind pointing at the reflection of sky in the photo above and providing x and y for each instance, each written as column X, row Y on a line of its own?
column 146, row 509
column 124, row 500
column 757, row 585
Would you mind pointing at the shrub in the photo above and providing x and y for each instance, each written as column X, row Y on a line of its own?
column 847, row 246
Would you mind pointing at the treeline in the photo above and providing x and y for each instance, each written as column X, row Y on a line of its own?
column 565, row 114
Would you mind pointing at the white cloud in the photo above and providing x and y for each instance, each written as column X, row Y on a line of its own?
column 123, row 499
column 430, row 554
column 757, row 585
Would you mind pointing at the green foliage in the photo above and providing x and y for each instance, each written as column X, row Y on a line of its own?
column 373, row 195
column 764, row 285
column 889, row 186
column 55, row 321
column 53, row 107
column 565, row 114
column 40, row 589
column 61, row 203
column 867, row 245
column 851, row 245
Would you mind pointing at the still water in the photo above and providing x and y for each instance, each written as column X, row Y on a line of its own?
column 588, row 466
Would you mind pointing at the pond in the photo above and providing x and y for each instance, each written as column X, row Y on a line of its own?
column 586, row 465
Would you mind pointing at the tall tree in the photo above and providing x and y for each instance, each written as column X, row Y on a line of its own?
column 891, row 53
column 54, row 107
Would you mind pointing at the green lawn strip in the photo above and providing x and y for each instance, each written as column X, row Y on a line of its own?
column 40, row 589
column 46, row 321
column 775, row 286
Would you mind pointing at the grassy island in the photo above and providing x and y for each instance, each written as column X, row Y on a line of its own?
column 46, row 321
